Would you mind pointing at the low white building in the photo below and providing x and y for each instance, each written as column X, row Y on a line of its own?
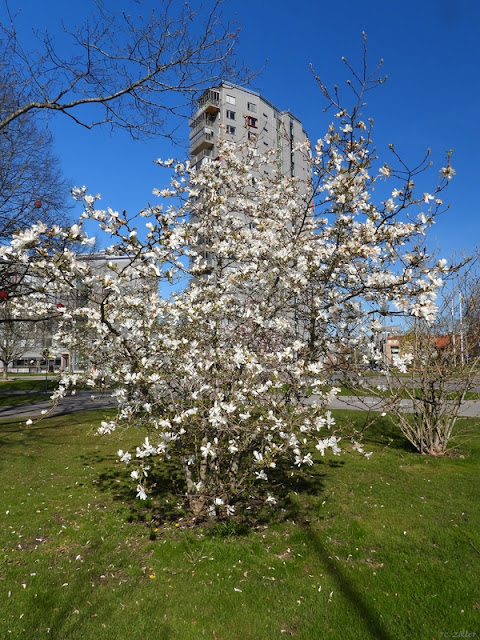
column 37, row 350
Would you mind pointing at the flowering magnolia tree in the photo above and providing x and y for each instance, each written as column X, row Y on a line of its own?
column 228, row 377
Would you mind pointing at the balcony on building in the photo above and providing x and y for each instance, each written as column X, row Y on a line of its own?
column 204, row 139
column 209, row 101
column 202, row 120
column 198, row 158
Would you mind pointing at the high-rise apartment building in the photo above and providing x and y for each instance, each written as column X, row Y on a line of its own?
column 246, row 115
column 240, row 115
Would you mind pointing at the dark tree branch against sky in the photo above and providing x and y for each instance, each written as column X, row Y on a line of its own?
column 133, row 70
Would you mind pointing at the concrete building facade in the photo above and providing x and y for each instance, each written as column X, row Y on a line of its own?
column 239, row 114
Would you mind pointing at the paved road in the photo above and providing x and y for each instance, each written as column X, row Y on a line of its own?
column 381, row 379
column 83, row 401
column 469, row 408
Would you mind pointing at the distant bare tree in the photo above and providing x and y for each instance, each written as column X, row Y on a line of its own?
column 470, row 297
column 15, row 337
column 32, row 187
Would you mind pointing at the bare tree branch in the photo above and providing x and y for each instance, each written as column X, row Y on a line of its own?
column 127, row 71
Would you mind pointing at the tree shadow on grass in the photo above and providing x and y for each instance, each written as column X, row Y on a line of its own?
column 294, row 489
column 167, row 503
column 358, row 600
column 66, row 613
column 166, row 490
column 382, row 432
column 17, row 439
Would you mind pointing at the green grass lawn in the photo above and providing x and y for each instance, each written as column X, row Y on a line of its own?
column 383, row 548
column 25, row 391
column 26, row 383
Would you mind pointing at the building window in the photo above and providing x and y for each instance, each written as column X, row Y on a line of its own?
column 230, row 99
column 230, row 114
column 230, row 129
column 252, row 122
column 252, row 135
column 252, row 107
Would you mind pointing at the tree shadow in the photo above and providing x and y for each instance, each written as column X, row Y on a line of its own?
column 26, row 437
column 288, row 483
column 165, row 502
column 72, row 611
column 344, row 585
column 383, row 432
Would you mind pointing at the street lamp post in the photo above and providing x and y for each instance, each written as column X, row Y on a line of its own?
column 47, row 358
column 462, row 361
column 454, row 341
column 384, row 311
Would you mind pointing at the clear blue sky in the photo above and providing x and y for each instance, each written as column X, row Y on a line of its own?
column 431, row 50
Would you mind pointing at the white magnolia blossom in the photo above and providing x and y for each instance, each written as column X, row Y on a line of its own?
column 329, row 443
column 283, row 279
column 401, row 362
column 141, row 493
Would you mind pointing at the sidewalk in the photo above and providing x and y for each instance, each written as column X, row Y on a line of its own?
column 82, row 401
column 469, row 408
